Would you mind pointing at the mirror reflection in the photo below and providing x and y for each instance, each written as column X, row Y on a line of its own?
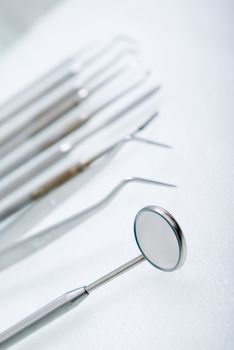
column 157, row 239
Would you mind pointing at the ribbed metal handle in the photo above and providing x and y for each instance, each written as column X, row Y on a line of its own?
column 58, row 180
column 35, row 168
column 36, row 145
column 42, row 190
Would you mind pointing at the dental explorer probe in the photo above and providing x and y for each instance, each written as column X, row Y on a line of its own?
column 40, row 239
column 72, row 171
column 73, row 121
column 62, row 149
column 58, row 102
column 62, row 72
column 161, row 243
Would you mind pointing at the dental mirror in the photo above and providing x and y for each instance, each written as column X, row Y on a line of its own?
column 161, row 243
column 159, row 238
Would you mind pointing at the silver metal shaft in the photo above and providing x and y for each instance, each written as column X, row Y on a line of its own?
column 51, row 135
column 61, row 178
column 18, row 251
column 54, row 77
column 55, row 154
column 36, row 90
column 53, row 106
column 69, row 173
column 60, row 306
column 117, row 272
column 41, row 317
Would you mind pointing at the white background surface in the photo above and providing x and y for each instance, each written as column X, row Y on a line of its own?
column 14, row 20
column 189, row 45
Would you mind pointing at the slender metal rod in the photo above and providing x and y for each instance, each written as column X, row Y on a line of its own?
column 40, row 125
column 105, row 67
column 42, row 317
column 65, row 175
column 117, row 272
column 150, row 142
column 67, row 127
column 56, row 103
column 55, row 154
column 39, row 88
column 59, row 306
column 18, row 251
column 64, row 71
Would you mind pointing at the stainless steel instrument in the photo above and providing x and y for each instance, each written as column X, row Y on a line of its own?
column 54, row 105
column 51, row 136
column 62, row 149
column 24, row 248
column 161, row 242
column 74, row 170
column 63, row 72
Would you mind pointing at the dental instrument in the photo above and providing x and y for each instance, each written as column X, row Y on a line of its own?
column 61, row 73
column 61, row 150
column 74, row 170
column 40, row 239
column 50, row 136
column 161, row 243
column 54, row 105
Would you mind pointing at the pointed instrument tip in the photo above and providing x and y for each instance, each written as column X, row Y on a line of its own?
column 162, row 183
column 149, row 181
column 147, row 121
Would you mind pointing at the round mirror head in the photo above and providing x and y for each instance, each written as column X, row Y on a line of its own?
column 159, row 238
